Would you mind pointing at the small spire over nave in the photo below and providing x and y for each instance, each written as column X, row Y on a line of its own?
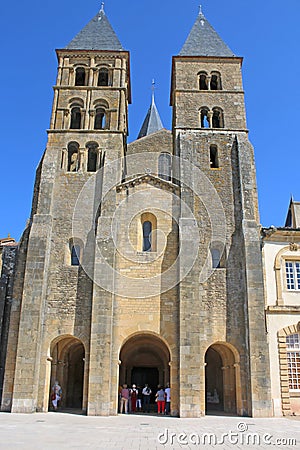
column 152, row 122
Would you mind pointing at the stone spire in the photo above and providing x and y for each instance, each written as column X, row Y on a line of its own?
column 98, row 34
column 203, row 40
column 152, row 122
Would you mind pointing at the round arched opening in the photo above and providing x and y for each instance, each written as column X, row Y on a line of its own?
column 67, row 367
column 220, row 379
column 144, row 359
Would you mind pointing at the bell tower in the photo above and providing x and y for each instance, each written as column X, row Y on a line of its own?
column 226, row 307
column 88, row 128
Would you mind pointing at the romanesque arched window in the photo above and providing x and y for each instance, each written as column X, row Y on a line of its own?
column 73, row 157
column 75, row 118
column 217, row 118
column 165, row 166
column 80, row 76
column 93, row 151
column 214, row 157
column 204, row 117
column 100, row 119
column 103, row 77
column 203, row 82
column 149, row 226
column 215, row 81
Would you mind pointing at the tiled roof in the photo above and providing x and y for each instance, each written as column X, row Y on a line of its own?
column 152, row 122
column 203, row 40
column 98, row 34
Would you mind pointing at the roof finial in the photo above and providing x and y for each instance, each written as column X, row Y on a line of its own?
column 102, row 7
column 153, row 89
column 200, row 10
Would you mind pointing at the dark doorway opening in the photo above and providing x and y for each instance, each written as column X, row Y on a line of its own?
column 213, row 381
column 68, row 358
column 142, row 375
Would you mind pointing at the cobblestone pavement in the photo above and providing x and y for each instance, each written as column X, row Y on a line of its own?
column 129, row 432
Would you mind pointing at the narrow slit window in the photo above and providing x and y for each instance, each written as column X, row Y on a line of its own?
column 147, row 230
column 214, row 159
column 75, row 255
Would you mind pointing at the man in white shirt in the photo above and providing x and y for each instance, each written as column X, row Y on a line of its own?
column 168, row 399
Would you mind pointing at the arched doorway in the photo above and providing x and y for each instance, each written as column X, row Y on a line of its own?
column 145, row 359
column 67, row 367
column 220, row 379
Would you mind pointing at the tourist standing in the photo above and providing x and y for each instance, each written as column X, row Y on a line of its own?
column 146, row 397
column 124, row 399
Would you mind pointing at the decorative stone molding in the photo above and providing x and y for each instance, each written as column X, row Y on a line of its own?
column 294, row 247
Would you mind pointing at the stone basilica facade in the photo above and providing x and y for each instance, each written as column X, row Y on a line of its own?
column 141, row 262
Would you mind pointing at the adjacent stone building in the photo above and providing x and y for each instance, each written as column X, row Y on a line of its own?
column 281, row 255
column 142, row 262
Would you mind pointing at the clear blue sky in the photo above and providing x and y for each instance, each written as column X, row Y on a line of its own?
column 266, row 33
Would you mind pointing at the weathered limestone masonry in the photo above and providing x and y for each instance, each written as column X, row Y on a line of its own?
column 228, row 306
column 141, row 263
column 8, row 257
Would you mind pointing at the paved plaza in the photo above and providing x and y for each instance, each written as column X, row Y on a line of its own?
column 129, row 432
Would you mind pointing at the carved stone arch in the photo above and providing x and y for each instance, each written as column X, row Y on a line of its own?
column 81, row 74
column 205, row 117
column 215, row 81
column 105, row 75
column 222, row 361
column 76, row 101
column 203, row 80
column 217, row 117
column 67, row 357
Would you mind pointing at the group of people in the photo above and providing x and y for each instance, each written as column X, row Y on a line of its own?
column 137, row 399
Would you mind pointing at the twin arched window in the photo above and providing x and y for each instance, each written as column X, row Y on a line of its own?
column 211, row 119
column 210, row 82
column 81, row 77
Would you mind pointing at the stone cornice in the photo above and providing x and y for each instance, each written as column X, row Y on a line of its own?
column 283, row 309
column 149, row 179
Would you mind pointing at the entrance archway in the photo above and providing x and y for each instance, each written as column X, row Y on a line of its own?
column 67, row 368
column 220, row 379
column 145, row 359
